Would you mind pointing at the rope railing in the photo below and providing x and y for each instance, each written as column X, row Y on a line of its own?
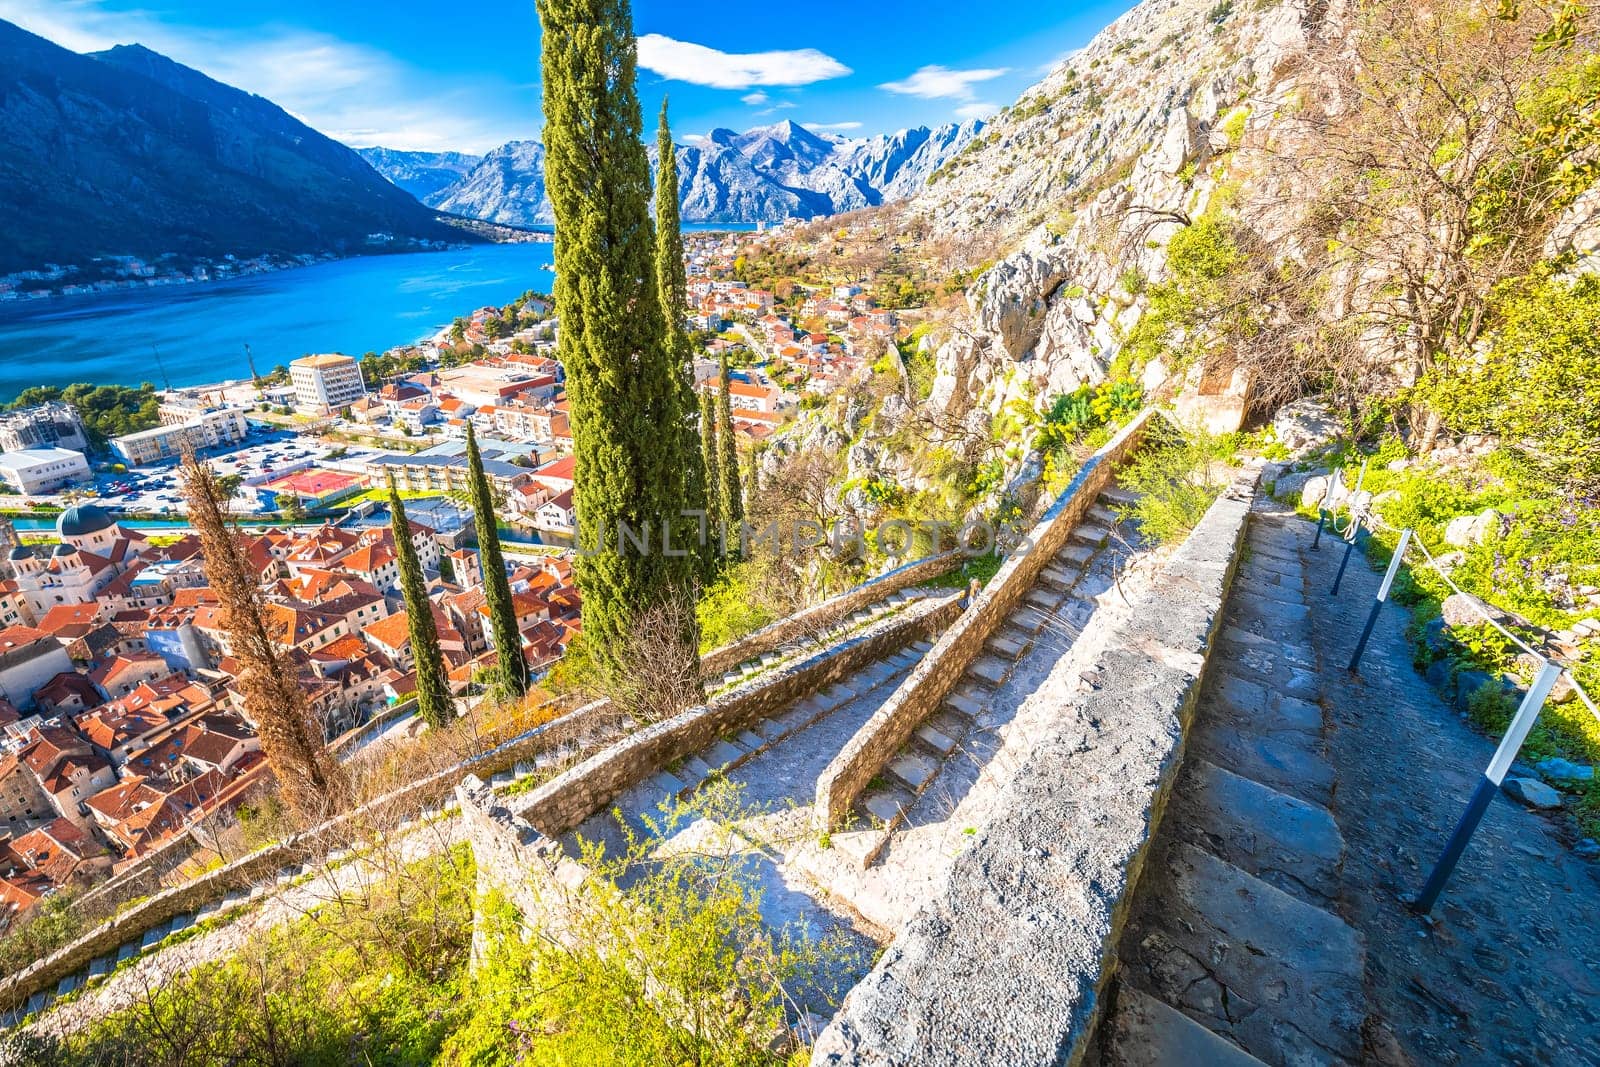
column 1547, row 674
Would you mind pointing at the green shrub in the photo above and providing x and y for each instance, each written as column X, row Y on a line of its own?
column 1176, row 476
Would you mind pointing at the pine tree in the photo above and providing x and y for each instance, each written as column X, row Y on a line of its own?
column 728, row 460
column 633, row 456
column 513, row 669
column 673, row 283
column 433, row 690
column 710, row 457
column 311, row 781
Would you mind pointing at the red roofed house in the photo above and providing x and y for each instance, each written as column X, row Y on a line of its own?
column 66, row 767
column 28, row 659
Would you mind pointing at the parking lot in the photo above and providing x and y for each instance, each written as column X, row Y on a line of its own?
column 265, row 455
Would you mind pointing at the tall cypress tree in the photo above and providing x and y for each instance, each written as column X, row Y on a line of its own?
column 513, row 669
column 433, row 690
column 673, row 283
column 728, row 459
column 627, row 418
column 709, row 456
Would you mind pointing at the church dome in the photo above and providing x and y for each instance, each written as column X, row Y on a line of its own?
column 83, row 520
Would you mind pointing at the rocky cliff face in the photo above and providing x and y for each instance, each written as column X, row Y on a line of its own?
column 127, row 152
column 766, row 174
column 1078, row 183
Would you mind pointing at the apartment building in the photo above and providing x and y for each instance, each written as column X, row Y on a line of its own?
column 325, row 383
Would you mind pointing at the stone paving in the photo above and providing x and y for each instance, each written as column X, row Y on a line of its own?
column 1234, row 922
column 1271, row 913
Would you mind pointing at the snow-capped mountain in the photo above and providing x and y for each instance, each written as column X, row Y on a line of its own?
column 762, row 175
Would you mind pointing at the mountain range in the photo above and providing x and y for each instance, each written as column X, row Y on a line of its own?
column 127, row 152
column 765, row 174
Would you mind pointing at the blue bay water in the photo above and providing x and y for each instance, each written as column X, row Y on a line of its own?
column 351, row 305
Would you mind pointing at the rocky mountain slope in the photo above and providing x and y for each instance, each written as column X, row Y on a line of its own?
column 765, row 174
column 1078, row 186
column 127, row 152
column 506, row 186
column 422, row 174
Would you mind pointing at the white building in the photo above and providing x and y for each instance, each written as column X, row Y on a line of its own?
column 204, row 428
column 42, row 470
column 50, row 425
column 326, row 383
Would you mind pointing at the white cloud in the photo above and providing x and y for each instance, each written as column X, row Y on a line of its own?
column 351, row 92
column 934, row 82
column 980, row 110
column 819, row 126
column 757, row 97
column 699, row 65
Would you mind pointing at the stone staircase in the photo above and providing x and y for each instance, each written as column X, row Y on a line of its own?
column 1051, row 614
column 818, row 722
column 890, row 605
column 1233, row 952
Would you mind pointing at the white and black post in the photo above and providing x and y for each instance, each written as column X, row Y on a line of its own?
column 1383, row 594
column 1355, row 529
column 1510, row 745
column 1335, row 478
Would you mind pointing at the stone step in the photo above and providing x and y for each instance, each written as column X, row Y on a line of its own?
column 1075, row 554
column 37, row 1002
column 1277, row 976
column 128, row 951
column 1143, row 1032
column 720, row 754
column 153, row 937
column 696, row 769
column 1059, row 578
column 936, row 739
column 1046, row 600
column 912, row 769
column 1279, row 839
column 887, row 805
column 1290, row 763
column 1092, row 534
column 68, row 984
column 964, row 706
column 1115, row 495
column 991, row 669
column 922, row 647
column 1103, row 515
column 1027, row 620
column 1009, row 645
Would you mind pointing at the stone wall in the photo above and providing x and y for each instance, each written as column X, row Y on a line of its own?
column 1006, row 964
column 827, row 613
column 265, row 863
column 921, row 693
column 518, row 863
column 566, row 800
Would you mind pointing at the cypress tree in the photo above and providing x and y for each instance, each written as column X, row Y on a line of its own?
column 728, row 459
column 433, row 690
column 673, row 284
column 709, row 457
column 633, row 456
column 513, row 669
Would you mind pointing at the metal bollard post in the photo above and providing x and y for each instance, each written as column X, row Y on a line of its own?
column 1336, row 478
column 1355, row 531
column 1383, row 594
column 1510, row 745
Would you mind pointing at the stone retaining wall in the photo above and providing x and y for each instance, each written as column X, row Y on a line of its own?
column 1007, row 962
column 827, row 613
column 922, row 692
column 264, row 863
column 518, row 863
column 566, row 800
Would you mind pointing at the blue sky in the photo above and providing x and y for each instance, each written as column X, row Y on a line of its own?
column 464, row 75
